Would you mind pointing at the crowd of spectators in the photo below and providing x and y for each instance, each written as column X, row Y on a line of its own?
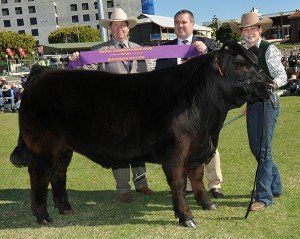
column 10, row 96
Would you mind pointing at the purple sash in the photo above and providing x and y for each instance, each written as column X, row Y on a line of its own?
column 140, row 53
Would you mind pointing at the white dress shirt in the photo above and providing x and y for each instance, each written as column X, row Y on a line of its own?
column 179, row 42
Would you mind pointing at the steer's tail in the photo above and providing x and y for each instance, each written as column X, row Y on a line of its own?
column 21, row 155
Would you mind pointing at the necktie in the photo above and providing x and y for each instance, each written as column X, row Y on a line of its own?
column 127, row 63
column 122, row 45
column 184, row 42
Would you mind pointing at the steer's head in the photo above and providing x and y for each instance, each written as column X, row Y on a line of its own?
column 242, row 79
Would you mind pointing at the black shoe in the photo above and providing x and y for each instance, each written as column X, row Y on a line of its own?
column 276, row 195
column 216, row 193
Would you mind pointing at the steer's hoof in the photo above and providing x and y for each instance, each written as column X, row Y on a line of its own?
column 213, row 207
column 189, row 223
column 45, row 221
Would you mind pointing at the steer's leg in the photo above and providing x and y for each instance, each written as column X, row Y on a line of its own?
column 61, row 160
column 39, row 185
column 175, row 171
column 195, row 176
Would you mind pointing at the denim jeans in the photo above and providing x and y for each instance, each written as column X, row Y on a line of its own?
column 268, row 178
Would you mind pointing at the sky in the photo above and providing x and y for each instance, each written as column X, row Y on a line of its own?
column 204, row 10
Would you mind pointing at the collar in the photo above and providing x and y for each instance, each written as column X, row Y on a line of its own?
column 126, row 42
column 189, row 39
column 257, row 43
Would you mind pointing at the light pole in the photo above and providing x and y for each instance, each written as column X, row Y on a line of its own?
column 103, row 33
column 44, row 32
column 78, row 39
column 7, row 62
column 281, row 23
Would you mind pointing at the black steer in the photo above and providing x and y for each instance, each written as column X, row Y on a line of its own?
column 170, row 117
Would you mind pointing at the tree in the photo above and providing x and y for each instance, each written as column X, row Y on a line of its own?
column 74, row 34
column 14, row 41
column 224, row 33
column 214, row 26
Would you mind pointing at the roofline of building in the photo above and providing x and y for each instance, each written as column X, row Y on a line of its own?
column 149, row 19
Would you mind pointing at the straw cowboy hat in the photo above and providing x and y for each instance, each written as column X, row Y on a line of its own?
column 118, row 15
column 5, row 88
column 252, row 19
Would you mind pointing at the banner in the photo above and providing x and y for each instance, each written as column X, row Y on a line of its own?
column 140, row 53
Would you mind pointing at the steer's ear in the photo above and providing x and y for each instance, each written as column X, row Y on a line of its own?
column 216, row 66
column 237, row 49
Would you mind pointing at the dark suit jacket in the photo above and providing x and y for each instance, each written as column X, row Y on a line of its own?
column 168, row 62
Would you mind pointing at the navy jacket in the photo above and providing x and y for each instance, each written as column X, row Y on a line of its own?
column 168, row 62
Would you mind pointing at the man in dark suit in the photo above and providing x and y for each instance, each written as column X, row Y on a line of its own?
column 184, row 26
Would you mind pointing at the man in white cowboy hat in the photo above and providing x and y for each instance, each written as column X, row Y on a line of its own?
column 263, row 114
column 119, row 25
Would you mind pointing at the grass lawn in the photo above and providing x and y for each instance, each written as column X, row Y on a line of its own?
column 100, row 215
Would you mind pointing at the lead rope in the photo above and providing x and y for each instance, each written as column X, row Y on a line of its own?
column 258, row 163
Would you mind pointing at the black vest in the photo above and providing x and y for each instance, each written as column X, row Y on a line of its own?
column 262, row 57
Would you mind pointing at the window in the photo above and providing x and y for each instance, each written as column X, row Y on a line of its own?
column 20, row 22
column 30, row 0
column 98, row 26
column 6, row 23
column 31, row 9
column 16, row 1
column 75, row 18
column 33, row 21
column 109, row 14
column 86, row 17
column 96, row 5
column 3, row 1
column 73, row 7
column 110, row 4
column 85, row 6
column 21, row 31
column 34, row 32
column 5, row 12
column 97, row 16
column 18, row 10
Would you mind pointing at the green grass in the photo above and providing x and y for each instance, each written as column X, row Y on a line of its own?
column 100, row 215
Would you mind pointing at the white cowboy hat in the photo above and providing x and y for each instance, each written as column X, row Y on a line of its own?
column 118, row 15
column 251, row 19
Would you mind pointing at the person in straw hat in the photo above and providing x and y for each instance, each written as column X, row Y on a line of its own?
column 8, row 98
column 119, row 25
column 268, row 183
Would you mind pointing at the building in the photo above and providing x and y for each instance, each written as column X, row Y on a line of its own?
column 40, row 17
column 154, row 30
column 295, row 27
